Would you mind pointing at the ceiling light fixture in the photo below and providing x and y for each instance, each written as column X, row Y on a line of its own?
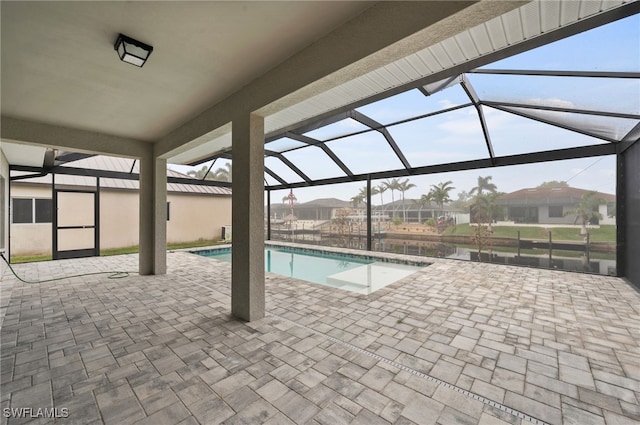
column 132, row 51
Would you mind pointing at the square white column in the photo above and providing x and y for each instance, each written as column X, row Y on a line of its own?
column 247, row 274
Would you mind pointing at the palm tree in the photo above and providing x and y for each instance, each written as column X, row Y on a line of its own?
column 357, row 200
column 381, row 188
column 439, row 193
column 224, row 173
column 483, row 184
column 486, row 208
column 403, row 187
column 586, row 209
column 289, row 198
column 202, row 174
column 362, row 196
column 424, row 201
column 392, row 185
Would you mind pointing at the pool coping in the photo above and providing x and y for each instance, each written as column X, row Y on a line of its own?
column 386, row 257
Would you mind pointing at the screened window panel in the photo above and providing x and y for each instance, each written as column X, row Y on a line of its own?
column 314, row 162
column 453, row 137
column 22, row 210
column 76, row 209
column 413, row 103
column 366, row 153
column 609, row 127
column 283, row 144
column 599, row 94
column 337, row 129
column 282, row 170
column 69, row 239
column 222, row 170
column 43, row 210
column 270, row 181
column 512, row 134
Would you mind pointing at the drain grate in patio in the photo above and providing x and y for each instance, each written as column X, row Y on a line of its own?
column 437, row 381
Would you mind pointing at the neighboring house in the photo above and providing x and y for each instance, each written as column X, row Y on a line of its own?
column 416, row 212
column 325, row 209
column 318, row 209
column 552, row 205
column 193, row 212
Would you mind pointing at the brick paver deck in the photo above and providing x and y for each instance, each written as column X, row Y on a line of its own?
column 457, row 343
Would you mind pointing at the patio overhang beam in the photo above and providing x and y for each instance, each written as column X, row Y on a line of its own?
column 473, row 96
column 501, row 161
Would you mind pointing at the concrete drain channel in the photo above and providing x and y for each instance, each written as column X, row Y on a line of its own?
column 437, row 381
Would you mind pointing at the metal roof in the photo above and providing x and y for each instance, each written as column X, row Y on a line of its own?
column 121, row 165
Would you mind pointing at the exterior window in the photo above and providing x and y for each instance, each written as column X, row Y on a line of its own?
column 168, row 210
column 43, row 210
column 22, row 210
column 32, row 210
column 555, row 211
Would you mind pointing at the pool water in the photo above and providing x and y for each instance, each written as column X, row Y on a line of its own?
column 356, row 274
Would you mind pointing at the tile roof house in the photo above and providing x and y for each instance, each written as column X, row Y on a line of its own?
column 552, row 205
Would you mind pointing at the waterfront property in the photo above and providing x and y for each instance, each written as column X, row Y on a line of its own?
column 299, row 95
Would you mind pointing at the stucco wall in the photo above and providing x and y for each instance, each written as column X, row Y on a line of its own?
column 4, row 216
column 30, row 239
column 192, row 217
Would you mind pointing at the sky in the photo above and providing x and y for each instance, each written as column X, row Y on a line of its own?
column 457, row 136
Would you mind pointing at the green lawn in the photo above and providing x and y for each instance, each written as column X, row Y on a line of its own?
column 606, row 233
column 118, row 251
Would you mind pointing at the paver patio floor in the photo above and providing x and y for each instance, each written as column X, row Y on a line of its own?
column 457, row 343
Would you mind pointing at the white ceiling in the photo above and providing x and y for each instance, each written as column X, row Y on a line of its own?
column 59, row 66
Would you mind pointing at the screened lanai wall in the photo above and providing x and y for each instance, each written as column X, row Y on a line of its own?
column 563, row 113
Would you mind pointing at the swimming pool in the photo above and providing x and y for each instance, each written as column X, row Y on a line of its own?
column 361, row 274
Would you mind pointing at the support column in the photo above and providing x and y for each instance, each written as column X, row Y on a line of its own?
column 247, row 269
column 153, row 215
column 369, row 212
column 268, row 214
